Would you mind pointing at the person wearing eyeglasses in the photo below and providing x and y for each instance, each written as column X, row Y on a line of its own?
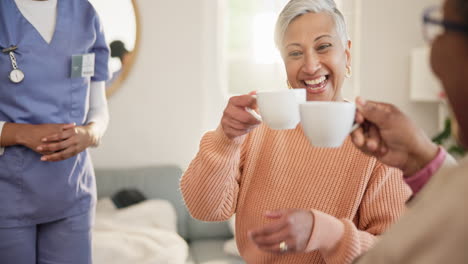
column 434, row 229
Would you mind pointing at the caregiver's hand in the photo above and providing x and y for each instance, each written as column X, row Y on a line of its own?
column 392, row 137
column 68, row 142
column 29, row 135
column 292, row 226
column 236, row 121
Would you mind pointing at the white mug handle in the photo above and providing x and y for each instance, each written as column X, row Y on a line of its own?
column 252, row 112
column 354, row 127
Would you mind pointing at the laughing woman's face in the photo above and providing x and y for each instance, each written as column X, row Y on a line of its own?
column 314, row 56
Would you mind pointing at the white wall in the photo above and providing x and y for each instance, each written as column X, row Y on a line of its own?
column 176, row 90
column 156, row 116
column 389, row 31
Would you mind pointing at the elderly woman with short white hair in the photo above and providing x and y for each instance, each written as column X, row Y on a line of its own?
column 295, row 203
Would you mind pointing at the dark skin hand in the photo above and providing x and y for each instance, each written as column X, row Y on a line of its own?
column 68, row 142
column 54, row 142
column 390, row 136
column 30, row 136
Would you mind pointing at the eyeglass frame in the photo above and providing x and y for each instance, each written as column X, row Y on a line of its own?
column 447, row 25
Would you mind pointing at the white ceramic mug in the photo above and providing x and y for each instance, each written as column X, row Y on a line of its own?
column 280, row 109
column 327, row 124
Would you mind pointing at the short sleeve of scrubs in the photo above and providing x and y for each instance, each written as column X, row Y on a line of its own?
column 101, row 51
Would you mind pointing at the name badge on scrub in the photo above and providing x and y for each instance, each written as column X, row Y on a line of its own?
column 82, row 65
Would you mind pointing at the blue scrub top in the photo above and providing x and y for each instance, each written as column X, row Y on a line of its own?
column 32, row 191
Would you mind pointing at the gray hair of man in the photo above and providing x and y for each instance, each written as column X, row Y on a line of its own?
column 296, row 8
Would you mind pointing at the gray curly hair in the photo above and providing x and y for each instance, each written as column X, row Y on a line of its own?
column 296, row 8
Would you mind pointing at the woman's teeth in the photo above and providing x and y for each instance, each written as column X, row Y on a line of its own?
column 316, row 83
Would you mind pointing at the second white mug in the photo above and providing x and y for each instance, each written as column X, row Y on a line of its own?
column 327, row 124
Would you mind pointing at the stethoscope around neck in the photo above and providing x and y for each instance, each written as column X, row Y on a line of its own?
column 16, row 75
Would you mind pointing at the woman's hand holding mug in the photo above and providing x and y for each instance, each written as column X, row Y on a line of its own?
column 236, row 120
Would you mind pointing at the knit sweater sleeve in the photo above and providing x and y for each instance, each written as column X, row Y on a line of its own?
column 383, row 203
column 210, row 184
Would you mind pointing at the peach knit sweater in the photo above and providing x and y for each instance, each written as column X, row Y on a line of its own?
column 278, row 169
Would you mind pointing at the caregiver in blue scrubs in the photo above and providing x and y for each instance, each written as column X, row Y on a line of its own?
column 53, row 65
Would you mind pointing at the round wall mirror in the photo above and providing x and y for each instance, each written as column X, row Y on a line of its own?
column 120, row 20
